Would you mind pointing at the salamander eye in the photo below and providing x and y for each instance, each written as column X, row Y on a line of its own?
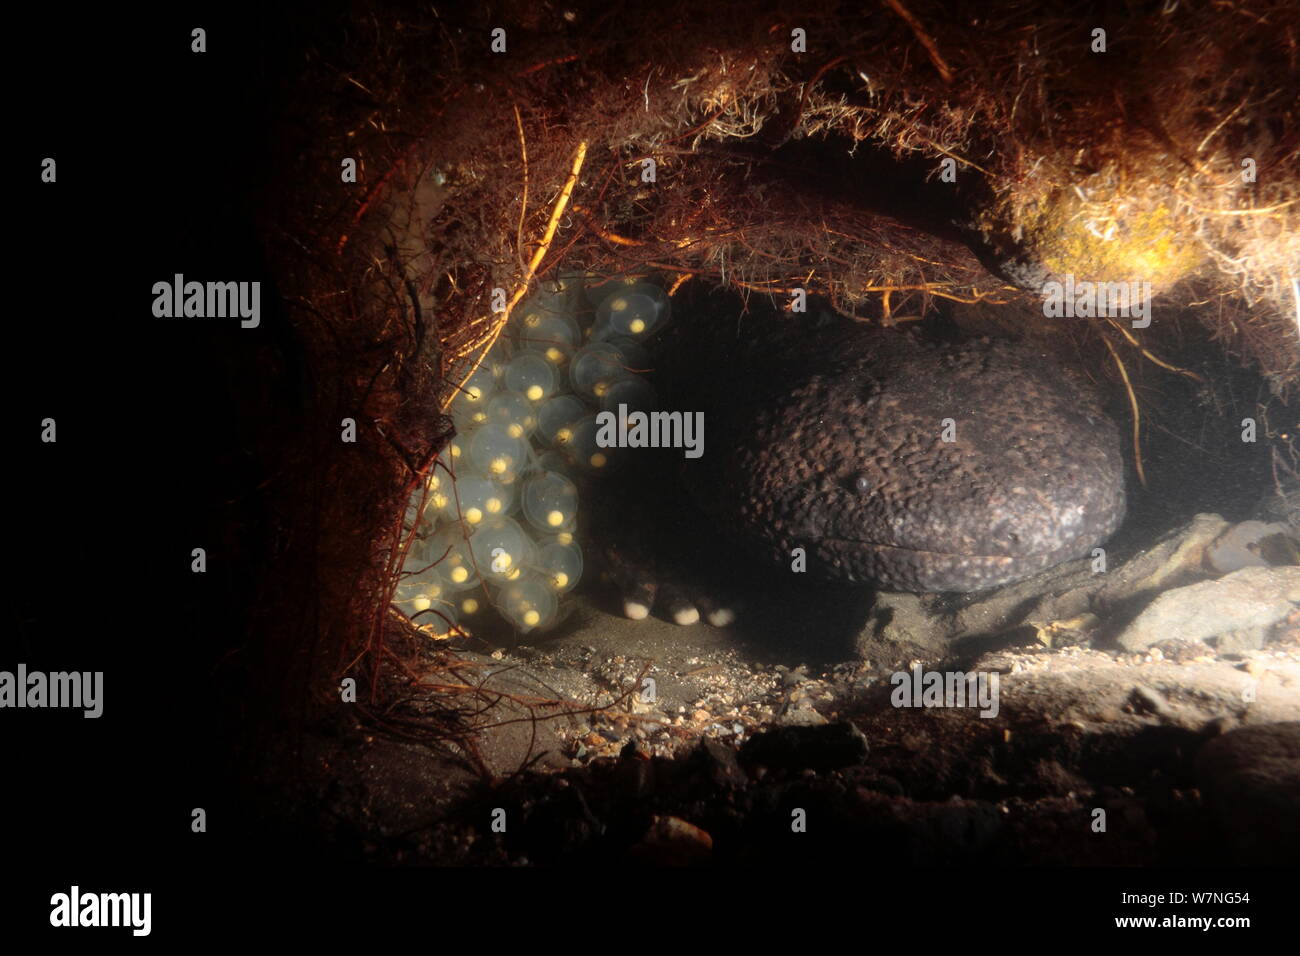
column 862, row 484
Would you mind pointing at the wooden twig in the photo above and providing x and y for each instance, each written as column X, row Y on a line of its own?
column 1132, row 340
column 489, row 339
column 523, row 199
column 1137, row 414
column 927, row 41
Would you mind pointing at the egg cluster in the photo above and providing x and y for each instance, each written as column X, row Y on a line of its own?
column 495, row 523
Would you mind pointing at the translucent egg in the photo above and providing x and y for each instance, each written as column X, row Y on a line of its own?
column 568, row 282
column 553, row 296
column 423, row 596
column 636, row 393
column 637, row 310
column 440, row 497
column 474, row 391
column 502, row 549
column 420, row 591
column 531, row 375
column 469, row 607
column 495, row 453
column 453, row 557
column 598, row 291
column 636, row 357
column 552, row 334
column 583, row 449
column 417, row 557
column 438, row 486
column 447, row 464
column 468, row 416
column 480, row 499
column 555, row 419
column 542, row 303
column 596, row 367
column 437, row 478
column 528, row 602
column 428, row 504
column 560, row 563
column 550, row 502
column 517, row 413
column 499, row 359
column 558, row 462
column 441, row 507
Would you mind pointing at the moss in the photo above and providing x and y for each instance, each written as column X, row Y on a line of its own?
column 1140, row 241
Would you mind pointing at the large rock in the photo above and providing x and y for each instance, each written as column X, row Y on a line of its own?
column 1252, row 544
column 1069, row 593
column 1176, row 559
column 1234, row 612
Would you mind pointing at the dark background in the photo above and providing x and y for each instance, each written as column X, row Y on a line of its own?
column 162, row 155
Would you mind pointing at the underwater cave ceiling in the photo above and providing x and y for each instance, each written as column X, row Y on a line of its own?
column 705, row 188
column 1163, row 152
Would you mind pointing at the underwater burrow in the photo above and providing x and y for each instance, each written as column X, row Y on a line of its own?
column 496, row 526
column 473, row 284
